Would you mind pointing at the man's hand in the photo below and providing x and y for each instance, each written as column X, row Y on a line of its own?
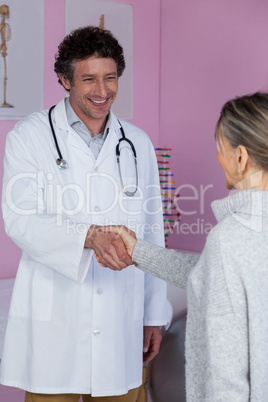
column 126, row 234
column 151, row 342
column 109, row 248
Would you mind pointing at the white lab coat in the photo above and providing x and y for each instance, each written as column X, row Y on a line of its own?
column 74, row 326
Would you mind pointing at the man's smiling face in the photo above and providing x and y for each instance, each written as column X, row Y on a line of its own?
column 93, row 89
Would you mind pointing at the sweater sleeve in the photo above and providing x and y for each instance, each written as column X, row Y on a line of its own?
column 170, row 265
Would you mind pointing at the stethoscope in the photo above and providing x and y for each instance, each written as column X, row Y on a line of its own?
column 62, row 164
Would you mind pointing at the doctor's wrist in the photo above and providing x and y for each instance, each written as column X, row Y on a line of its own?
column 89, row 241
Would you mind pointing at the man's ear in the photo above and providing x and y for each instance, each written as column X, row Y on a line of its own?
column 242, row 159
column 66, row 83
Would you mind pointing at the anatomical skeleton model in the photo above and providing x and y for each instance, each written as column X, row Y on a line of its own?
column 5, row 36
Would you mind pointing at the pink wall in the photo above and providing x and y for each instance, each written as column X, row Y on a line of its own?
column 189, row 58
column 211, row 51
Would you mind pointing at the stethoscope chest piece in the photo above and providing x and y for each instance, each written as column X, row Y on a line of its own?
column 117, row 151
column 62, row 164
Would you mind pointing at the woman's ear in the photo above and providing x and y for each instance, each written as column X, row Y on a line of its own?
column 242, row 159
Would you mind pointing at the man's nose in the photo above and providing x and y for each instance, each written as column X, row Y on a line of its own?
column 101, row 89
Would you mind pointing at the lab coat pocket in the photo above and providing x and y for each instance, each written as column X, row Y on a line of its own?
column 33, row 292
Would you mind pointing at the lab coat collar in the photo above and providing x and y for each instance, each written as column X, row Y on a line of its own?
column 60, row 117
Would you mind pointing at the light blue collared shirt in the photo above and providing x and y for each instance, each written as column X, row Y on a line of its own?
column 94, row 143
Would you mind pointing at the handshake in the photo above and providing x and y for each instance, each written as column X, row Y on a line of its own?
column 113, row 245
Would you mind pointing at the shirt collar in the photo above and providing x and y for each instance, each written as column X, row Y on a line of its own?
column 72, row 118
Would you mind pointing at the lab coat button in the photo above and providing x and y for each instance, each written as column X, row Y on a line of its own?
column 95, row 169
column 96, row 332
column 99, row 291
column 97, row 209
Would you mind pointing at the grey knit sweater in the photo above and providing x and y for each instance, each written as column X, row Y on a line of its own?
column 227, row 293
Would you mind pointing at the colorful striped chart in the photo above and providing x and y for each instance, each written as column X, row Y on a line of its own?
column 168, row 191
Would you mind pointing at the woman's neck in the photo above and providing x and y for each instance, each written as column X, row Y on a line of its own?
column 257, row 179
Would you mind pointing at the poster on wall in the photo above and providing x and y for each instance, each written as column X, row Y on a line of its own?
column 21, row 57
column 118, row 19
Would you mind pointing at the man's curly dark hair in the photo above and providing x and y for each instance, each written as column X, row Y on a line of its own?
column 83, row 43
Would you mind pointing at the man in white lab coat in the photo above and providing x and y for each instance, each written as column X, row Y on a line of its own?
column 76, row 328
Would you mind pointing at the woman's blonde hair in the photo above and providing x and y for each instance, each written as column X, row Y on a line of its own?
column 244, row 121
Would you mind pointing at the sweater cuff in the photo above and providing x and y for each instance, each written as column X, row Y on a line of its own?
column 140, row 252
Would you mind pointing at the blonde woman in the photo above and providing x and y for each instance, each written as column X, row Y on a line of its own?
column 227, row 288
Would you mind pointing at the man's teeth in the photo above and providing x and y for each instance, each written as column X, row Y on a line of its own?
column 95, row 101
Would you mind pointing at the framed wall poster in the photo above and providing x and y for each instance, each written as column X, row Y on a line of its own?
column 21, row 58
column 118, row 19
